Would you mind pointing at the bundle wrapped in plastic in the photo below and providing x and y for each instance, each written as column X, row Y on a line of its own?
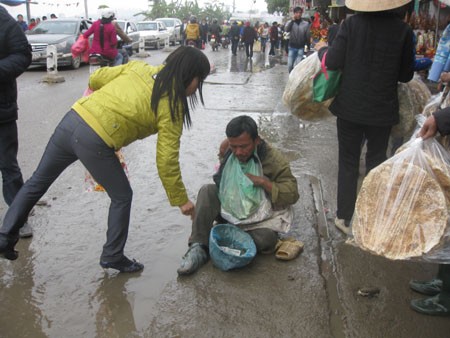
column 402, row 207
column 412, row 98
column 298, row 93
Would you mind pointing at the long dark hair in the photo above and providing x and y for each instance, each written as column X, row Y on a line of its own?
column 181, row 67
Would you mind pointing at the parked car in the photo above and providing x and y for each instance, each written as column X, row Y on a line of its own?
column 131, row 30
column 174, row 27
column 155, row 33
column 59, row 32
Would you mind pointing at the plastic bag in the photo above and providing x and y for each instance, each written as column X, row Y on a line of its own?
column 326, row 83
column 257, row 46
column 298, row 93
column 230, row 247
column 80, row 46
column 413, row 97
column 402, row 207
column 238, row 196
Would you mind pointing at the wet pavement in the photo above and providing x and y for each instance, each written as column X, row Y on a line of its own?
column 57, row 289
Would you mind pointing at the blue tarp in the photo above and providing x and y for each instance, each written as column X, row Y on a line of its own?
column 13, row 2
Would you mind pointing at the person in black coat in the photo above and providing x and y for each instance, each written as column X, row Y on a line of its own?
column 234, row 37
column 15, row 57
column 373, row 50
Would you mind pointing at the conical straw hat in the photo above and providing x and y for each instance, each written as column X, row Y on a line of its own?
column 374, row 5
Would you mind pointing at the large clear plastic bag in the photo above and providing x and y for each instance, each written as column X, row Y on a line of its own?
column 241, row 201
column 298, row 93
column 402, row 207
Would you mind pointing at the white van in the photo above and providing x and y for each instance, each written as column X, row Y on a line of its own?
column 174, row 27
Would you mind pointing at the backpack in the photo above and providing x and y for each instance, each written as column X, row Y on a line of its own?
column 192, row 32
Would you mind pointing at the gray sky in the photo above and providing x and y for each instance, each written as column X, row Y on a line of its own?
column 69, row 8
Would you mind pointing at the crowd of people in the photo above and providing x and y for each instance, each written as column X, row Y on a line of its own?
column 33, row 21
column 366, row 109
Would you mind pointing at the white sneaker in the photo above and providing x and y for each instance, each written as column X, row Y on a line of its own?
column 340, row 224
column 26, row 231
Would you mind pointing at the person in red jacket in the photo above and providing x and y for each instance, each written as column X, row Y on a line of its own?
column 105, row 38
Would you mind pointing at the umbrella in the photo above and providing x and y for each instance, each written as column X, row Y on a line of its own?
column 16, row 2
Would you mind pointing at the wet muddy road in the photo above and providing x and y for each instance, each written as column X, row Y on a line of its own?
column 57, row 289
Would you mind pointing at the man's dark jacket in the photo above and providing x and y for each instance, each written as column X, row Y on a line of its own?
column 15, row 57
column 374, row 52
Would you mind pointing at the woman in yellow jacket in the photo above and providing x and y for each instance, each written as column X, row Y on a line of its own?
column 129, row 102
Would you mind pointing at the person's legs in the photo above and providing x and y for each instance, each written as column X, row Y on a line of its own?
column 118, row 60
column 104, row 166
column 9, row 167
column 438, row 305
column 292, row 56
column 251, row 49
column 265, row 239
column 207, row 209
column 350, row 136
column 299, row 57
column 247, row 49
column 377, row 144
column 234, row 45
column 272, row 48
column 58, row 155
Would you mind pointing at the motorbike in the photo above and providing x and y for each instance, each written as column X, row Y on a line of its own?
column 214, row 43
column 225, row 41
column 97, row 61
column 192, row 43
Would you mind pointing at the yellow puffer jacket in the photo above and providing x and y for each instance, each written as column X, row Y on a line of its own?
column 119, row 124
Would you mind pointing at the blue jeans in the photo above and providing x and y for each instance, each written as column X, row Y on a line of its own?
column 118, row 60
column 74, row 140
column 295, row 55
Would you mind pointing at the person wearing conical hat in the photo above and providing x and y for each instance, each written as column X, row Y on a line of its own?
column 374, row 51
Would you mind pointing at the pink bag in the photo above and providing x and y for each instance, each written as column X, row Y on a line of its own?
column 80, row 46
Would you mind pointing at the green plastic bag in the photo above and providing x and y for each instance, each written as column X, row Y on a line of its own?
column 237, row 194
column 326, row 83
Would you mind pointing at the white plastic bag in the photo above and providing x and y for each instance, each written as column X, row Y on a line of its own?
column 298, row 93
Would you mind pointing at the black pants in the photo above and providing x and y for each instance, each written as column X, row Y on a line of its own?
column 234, row 45
column 207, row 210
column 249, row 49
column 350, row 137
column 9, row 167
column 74, row 140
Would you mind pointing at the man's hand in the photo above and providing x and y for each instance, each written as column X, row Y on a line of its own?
column 188, row 209
column 261, row 181
column 429, row 128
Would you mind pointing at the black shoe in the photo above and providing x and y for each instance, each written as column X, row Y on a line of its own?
column 7, row 248
column 429, row 288
column 433, row 306
column 124, row 265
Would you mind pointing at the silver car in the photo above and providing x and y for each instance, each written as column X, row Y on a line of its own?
column 59, row 32
column 174, row 27
column 154, row 33
column 131, row 31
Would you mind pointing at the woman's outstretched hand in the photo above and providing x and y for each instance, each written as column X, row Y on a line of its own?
column 188, row 209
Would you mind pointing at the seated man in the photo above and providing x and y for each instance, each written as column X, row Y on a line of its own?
column 280, row 187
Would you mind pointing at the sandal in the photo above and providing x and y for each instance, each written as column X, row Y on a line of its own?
column 289, row 249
